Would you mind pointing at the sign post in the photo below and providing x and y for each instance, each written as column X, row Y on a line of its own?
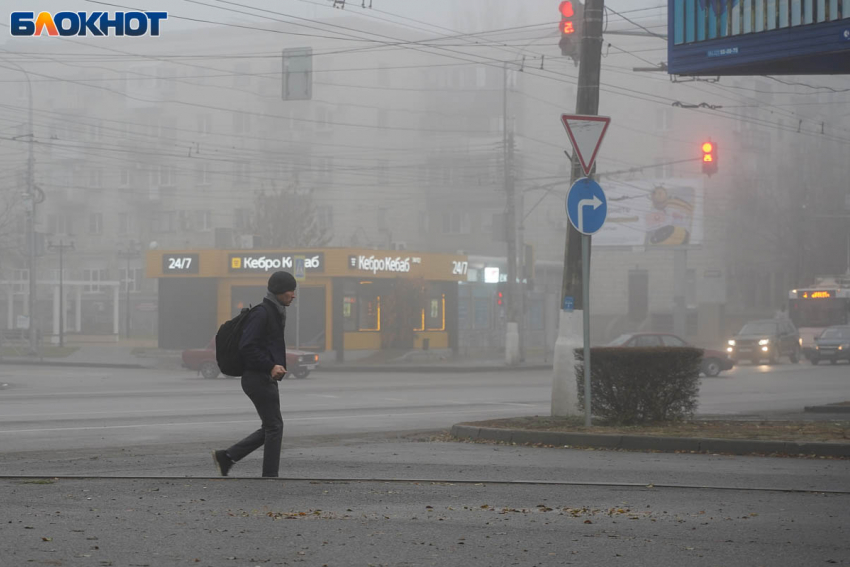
column 300, row 269
column 587, row 209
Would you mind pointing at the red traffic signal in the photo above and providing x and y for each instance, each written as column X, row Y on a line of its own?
column 499, row 298
column 709, row 157
column 572, row 16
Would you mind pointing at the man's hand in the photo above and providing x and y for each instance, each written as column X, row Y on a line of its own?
column 277, row 372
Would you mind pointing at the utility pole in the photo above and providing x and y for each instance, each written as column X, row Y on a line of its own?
column 61, row 247
column 570, row 328
column 131, row 252
column 512, row 327
column 31, row 203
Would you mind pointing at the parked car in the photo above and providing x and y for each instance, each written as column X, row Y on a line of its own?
column 833, row 344
column 768, row 339
column 713, row 361
column 299, row 363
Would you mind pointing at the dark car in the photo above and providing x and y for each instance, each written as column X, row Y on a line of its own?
column 713, row 361
column 299, row 363
column 768, row 339
column 833, row 344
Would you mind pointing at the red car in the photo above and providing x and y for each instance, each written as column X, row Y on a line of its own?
column 299, row 363
column 713, row 361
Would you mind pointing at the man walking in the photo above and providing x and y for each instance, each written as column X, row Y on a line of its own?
column 263, row 350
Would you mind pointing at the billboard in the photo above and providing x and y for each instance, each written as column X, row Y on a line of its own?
column 653, row 213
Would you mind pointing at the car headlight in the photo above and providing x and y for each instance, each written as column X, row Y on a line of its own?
column 764, row 342
column 801, row 341
column 844, row 347
column 731, row 342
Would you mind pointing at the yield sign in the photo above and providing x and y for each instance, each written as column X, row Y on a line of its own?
column 586, row 133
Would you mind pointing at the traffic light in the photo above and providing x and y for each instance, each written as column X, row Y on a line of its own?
column 500, row 293
column 709, row 157
column 572, row 19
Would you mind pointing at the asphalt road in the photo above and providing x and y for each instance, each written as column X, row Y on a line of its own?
column 428, row 503
column 48, row 408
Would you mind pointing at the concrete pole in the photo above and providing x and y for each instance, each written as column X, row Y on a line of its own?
column 570, row 326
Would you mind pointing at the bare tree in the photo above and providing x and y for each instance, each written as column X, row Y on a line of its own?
column 286, row 218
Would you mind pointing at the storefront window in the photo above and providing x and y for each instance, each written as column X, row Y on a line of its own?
column 369, row 309
column 482, row 313
column 349, row 313
column 435, row 311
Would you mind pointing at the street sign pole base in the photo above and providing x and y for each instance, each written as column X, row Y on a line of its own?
column 564, row 390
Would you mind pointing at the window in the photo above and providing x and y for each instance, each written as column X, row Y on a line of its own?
column 241, row 172
column 94, row 276
column 60, row 224
column 369, row 314
column 22, row 276
column 96, row 177
column 205, row 124
column 134, row 281
column 455, row 223
column 435, row 313
column 324, row 118
column 663, row 119
column 124, row 222
column 383, row 76
column 95, row 223
column 203, row 174
column 242, row 74
column 203, row 221
column 383, row 119
column 481, row 313
column 125, row 177
column 480, row 77
column 54, row 275
column 325, row 169
column 349, row 313
column 672, row 341
column 164, row 221
column 95, row 131
column 241, row 123
column 647, row 341
column 165, row 176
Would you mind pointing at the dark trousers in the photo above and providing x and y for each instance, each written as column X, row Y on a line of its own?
column 263, row 392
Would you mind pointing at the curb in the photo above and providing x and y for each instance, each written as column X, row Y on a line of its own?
column 652, row 443
column 431, row 369
column 831, row 408
column 73, row 364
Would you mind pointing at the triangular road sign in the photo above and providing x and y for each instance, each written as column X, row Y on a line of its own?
column 586, row 134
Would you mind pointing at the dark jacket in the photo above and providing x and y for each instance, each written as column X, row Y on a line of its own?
column 262, row 345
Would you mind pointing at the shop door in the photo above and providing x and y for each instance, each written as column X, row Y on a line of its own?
column 308, row 327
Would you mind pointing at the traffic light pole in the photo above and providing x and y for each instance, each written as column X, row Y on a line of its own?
column 512, row 328
column 571, row 324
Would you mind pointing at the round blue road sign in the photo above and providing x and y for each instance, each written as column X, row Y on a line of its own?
column 587, row 206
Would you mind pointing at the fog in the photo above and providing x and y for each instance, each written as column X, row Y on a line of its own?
column 400, row 146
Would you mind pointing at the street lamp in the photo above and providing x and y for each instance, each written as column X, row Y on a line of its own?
column 61, row 247
column 132, row 251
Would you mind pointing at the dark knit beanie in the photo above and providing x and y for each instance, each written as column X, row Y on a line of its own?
column 281, row 282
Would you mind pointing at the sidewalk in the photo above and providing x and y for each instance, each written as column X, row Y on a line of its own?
column 124, row 355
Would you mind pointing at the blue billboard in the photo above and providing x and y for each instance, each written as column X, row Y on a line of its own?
column 758, row 37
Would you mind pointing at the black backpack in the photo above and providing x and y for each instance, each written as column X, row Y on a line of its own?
column 227, row 343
